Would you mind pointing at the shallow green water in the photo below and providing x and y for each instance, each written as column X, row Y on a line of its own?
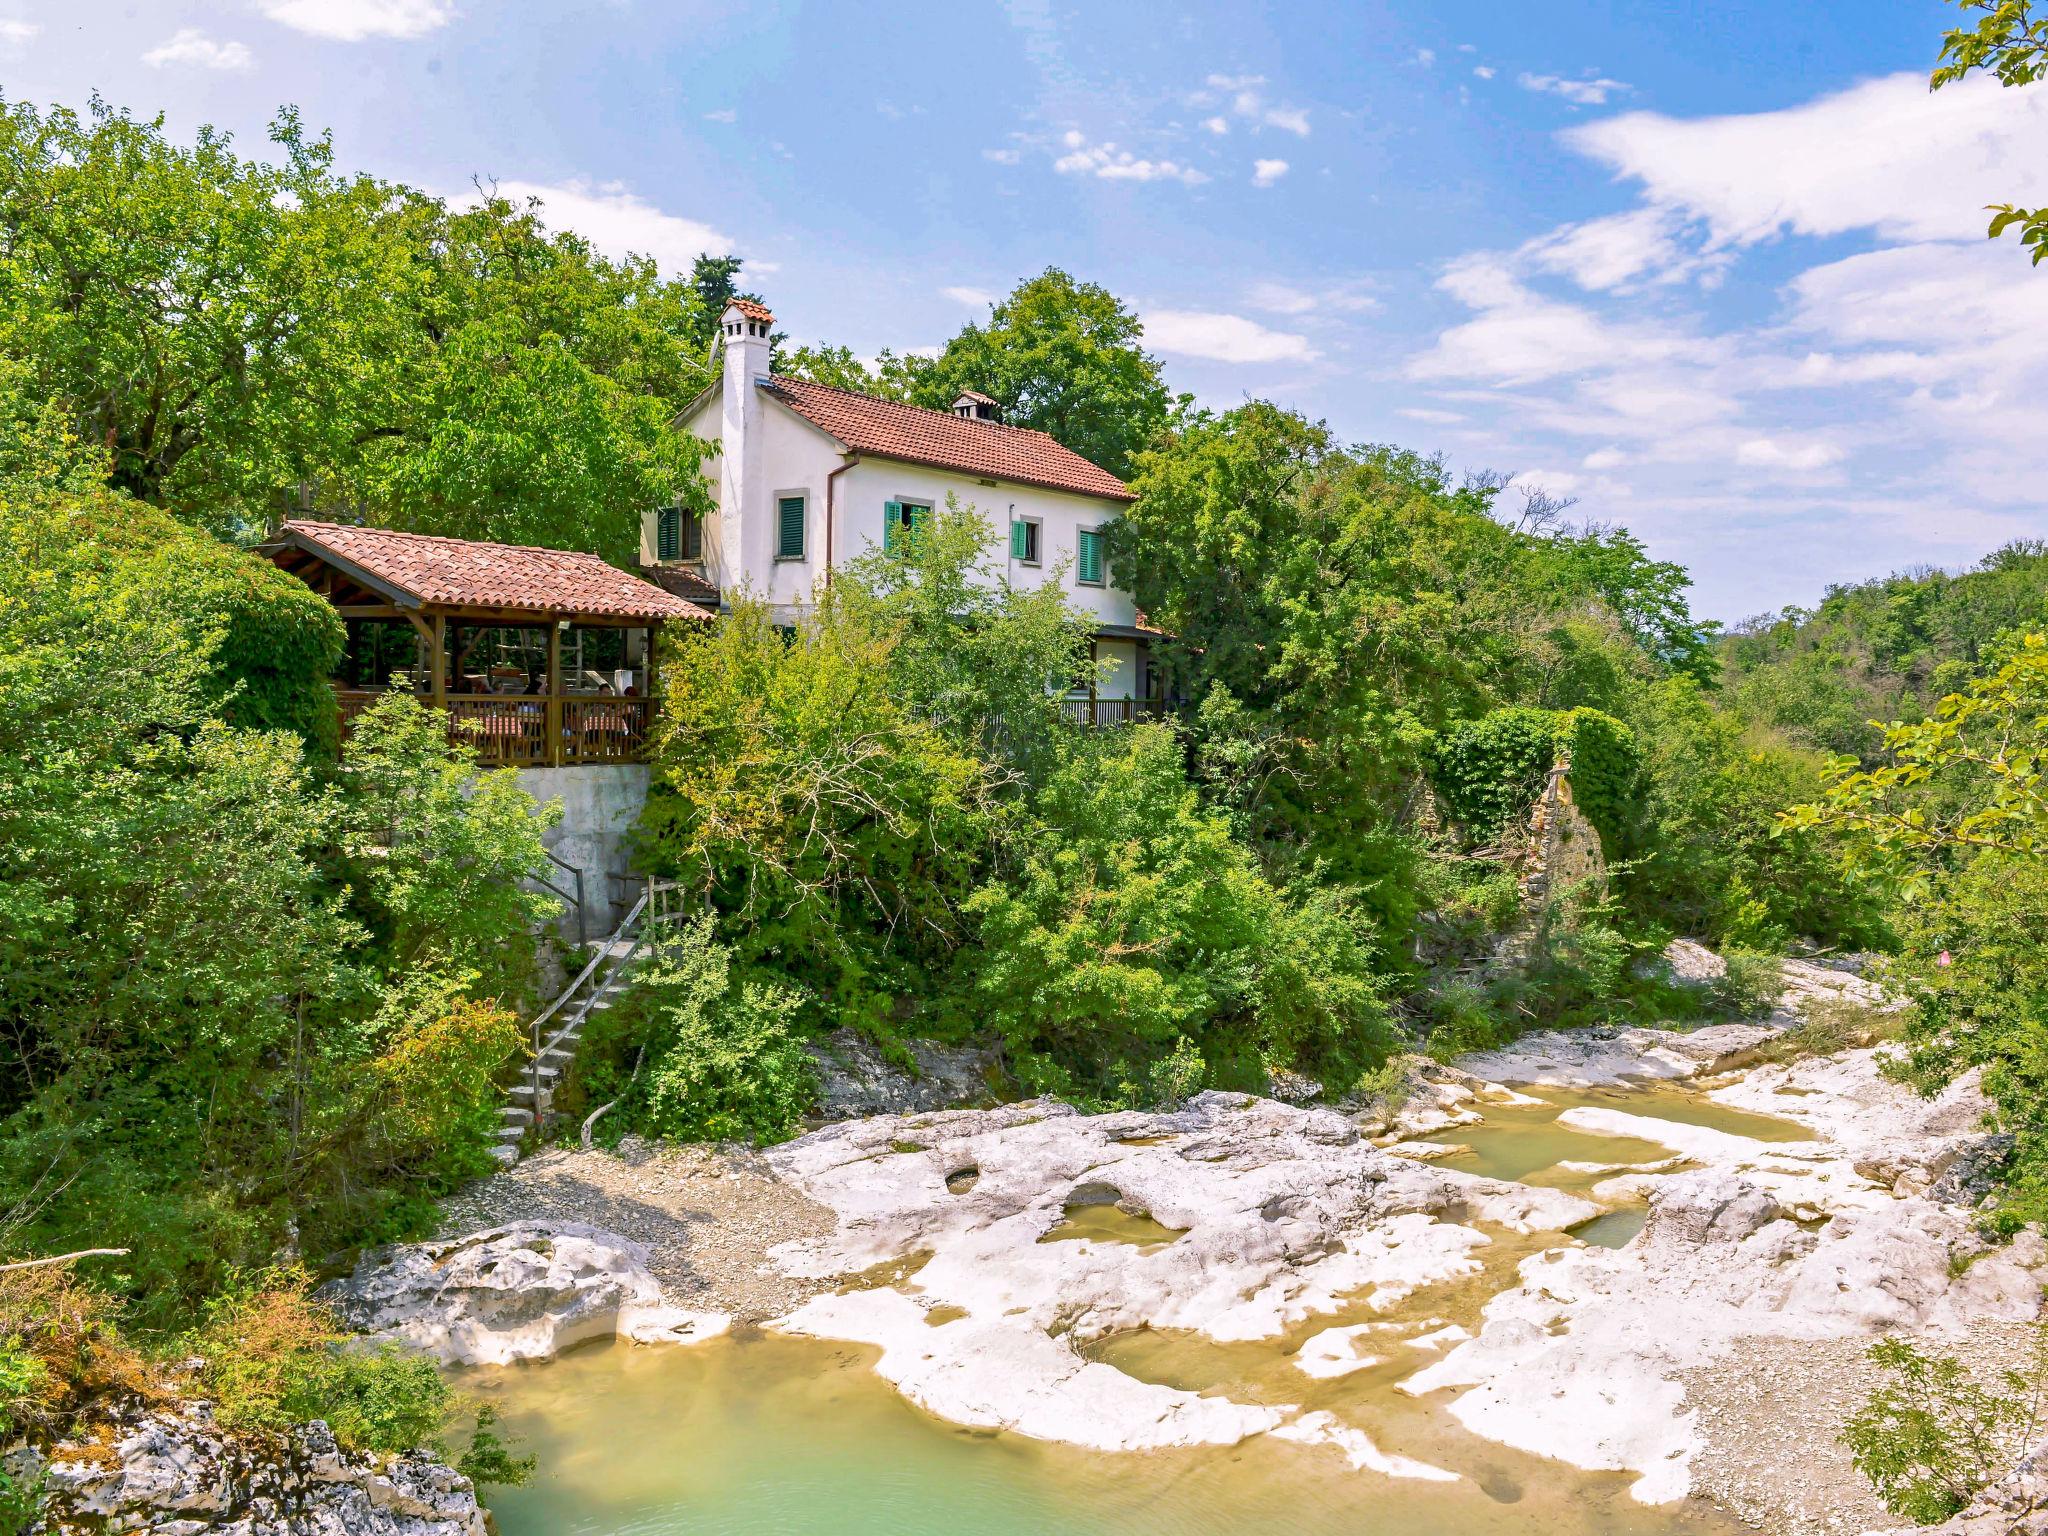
column 764, row 1436
column 759, row 1435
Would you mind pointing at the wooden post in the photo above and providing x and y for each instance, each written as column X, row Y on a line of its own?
column 554, row 711
column 439, row 646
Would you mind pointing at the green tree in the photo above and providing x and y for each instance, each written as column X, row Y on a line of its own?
column 890, row 378
column 1063, row 357
column 2011, row 42
column 245, row 339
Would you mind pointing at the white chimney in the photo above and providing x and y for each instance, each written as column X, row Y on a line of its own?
column 744, row 519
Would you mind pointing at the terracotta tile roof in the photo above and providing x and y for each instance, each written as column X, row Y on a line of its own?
column 984, row 448
column 685, row 581
column 751, row 309
column 461, row 573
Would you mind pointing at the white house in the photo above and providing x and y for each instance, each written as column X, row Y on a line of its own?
column 808, row 476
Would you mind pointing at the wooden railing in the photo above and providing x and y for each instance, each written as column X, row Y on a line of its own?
column 533, row 731
column 1103, row 712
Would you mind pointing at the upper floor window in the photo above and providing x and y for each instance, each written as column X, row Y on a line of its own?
column 902, row 521
column 1024, row 537
column 678, row 535
column 789, row 525
column 1088, row 557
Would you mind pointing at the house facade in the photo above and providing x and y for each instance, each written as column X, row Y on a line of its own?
column 806, row 477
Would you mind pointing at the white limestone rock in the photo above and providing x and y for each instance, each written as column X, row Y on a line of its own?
column 519, row 1292
column 1607, row 1057
column 1282, row 1214
column 177, row 1474
column 1577, row 1361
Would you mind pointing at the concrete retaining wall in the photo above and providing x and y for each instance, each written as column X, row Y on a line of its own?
column 600, row 804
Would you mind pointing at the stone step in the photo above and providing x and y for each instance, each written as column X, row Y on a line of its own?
column 511, row 1135
column 505, row 1155
column 516, row 1114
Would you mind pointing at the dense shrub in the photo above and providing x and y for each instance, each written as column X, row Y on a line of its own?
column 714, row 1056
column 1489, row 771
column 1136, row 922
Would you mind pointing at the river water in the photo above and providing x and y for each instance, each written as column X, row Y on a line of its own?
column 759, row 1435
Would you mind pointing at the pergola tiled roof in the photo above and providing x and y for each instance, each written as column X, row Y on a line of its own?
column 890, row 430
column 466, row 577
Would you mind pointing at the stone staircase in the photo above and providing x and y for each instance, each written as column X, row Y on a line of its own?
column 558, row 1029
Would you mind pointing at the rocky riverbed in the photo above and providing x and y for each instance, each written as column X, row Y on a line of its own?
column 1000, row 1262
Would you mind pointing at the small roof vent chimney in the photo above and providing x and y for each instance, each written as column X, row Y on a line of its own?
column 975, row 406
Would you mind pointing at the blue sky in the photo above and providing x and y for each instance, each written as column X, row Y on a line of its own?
column 1716, row 271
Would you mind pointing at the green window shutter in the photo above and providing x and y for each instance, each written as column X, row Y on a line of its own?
column 668, row 533
column 1020, row 540
column 920, row 521
column 1088, row 560
column 892, row 526
column 789, row 528
column 693, row 536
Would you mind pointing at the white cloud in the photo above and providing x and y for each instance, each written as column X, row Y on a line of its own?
column 1483, row 71
column 1887, row 155
column 350, row 21
column 1557, row 482
column 1222, row 338
column 1604, row 458
column 1787, row 453
column 1350, row 297
column 620, row 222
column 1108, row 163
column 1217, row 125
column 189, row 45
column 17, row 35
column 1003, row 156
column 1266, row 172
column 1248, row 101
column 722, row 115
column 1622, row 248
column 970, row 296
column 1430, row 414
column 1580, row 93
column 1425, row 57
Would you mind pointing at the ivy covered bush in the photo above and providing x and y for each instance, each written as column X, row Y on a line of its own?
column 1489, row 771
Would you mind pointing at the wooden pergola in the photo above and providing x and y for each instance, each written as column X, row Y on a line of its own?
column 456, row 595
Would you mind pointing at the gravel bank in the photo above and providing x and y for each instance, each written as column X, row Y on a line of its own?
column 1770, row 1414
column 708, row 1217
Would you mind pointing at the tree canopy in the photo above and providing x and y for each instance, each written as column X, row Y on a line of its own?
column 249, row 338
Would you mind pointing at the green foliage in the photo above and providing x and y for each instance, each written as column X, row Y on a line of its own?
column 209, row 981
column 795, row 787
column 441, row 848
column 275, row 1358
column 1135, row 921
column 1062, row 357
column 724, row 1060
column 487, row 1461
column 1714, row 862
column 20, row 1498
column 1752, row 983
column 1489, row 770
column 2011, row 42
column 1957, row 820
column 890, row 378
column 1882, row 650
column 1932, row 1437
column 242, row 334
